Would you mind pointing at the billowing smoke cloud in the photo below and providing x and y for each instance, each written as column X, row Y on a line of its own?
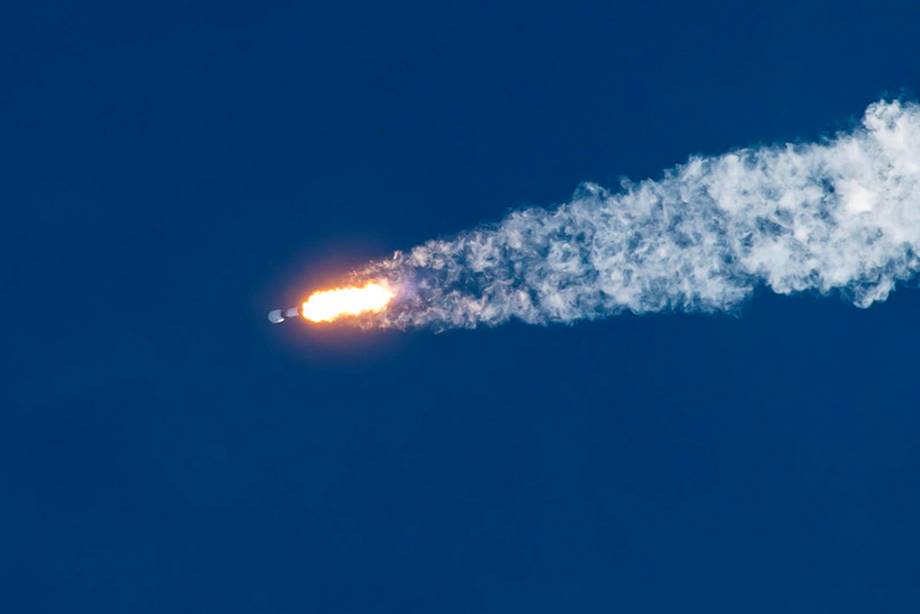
column 840, row 216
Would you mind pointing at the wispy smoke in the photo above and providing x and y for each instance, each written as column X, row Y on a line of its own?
column 841, row 215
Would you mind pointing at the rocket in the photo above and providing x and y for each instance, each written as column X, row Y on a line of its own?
column 277, row 316
column 328, row 305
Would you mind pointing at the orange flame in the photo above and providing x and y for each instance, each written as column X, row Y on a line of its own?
column 327, row 305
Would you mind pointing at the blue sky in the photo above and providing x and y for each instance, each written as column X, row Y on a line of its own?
column 170, row 173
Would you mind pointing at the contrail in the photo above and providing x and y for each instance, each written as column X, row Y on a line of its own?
column 837, row 216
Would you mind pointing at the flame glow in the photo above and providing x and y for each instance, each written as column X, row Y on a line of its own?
column 328, row 305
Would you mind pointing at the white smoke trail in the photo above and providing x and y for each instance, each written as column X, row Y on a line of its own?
column 840, row 215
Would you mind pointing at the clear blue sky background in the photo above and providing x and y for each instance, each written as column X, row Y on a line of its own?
column 169, row 173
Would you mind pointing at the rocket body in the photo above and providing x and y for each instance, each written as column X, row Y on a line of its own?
column 277, row 316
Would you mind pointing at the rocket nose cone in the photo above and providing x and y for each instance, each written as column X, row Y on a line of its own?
column 275, row 317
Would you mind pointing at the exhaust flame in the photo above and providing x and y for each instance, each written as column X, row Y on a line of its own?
column 329, row 305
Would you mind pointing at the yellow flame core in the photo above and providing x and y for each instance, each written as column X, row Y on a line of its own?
column 327, row 305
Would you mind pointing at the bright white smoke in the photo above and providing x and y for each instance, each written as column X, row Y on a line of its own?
column 840, row 215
